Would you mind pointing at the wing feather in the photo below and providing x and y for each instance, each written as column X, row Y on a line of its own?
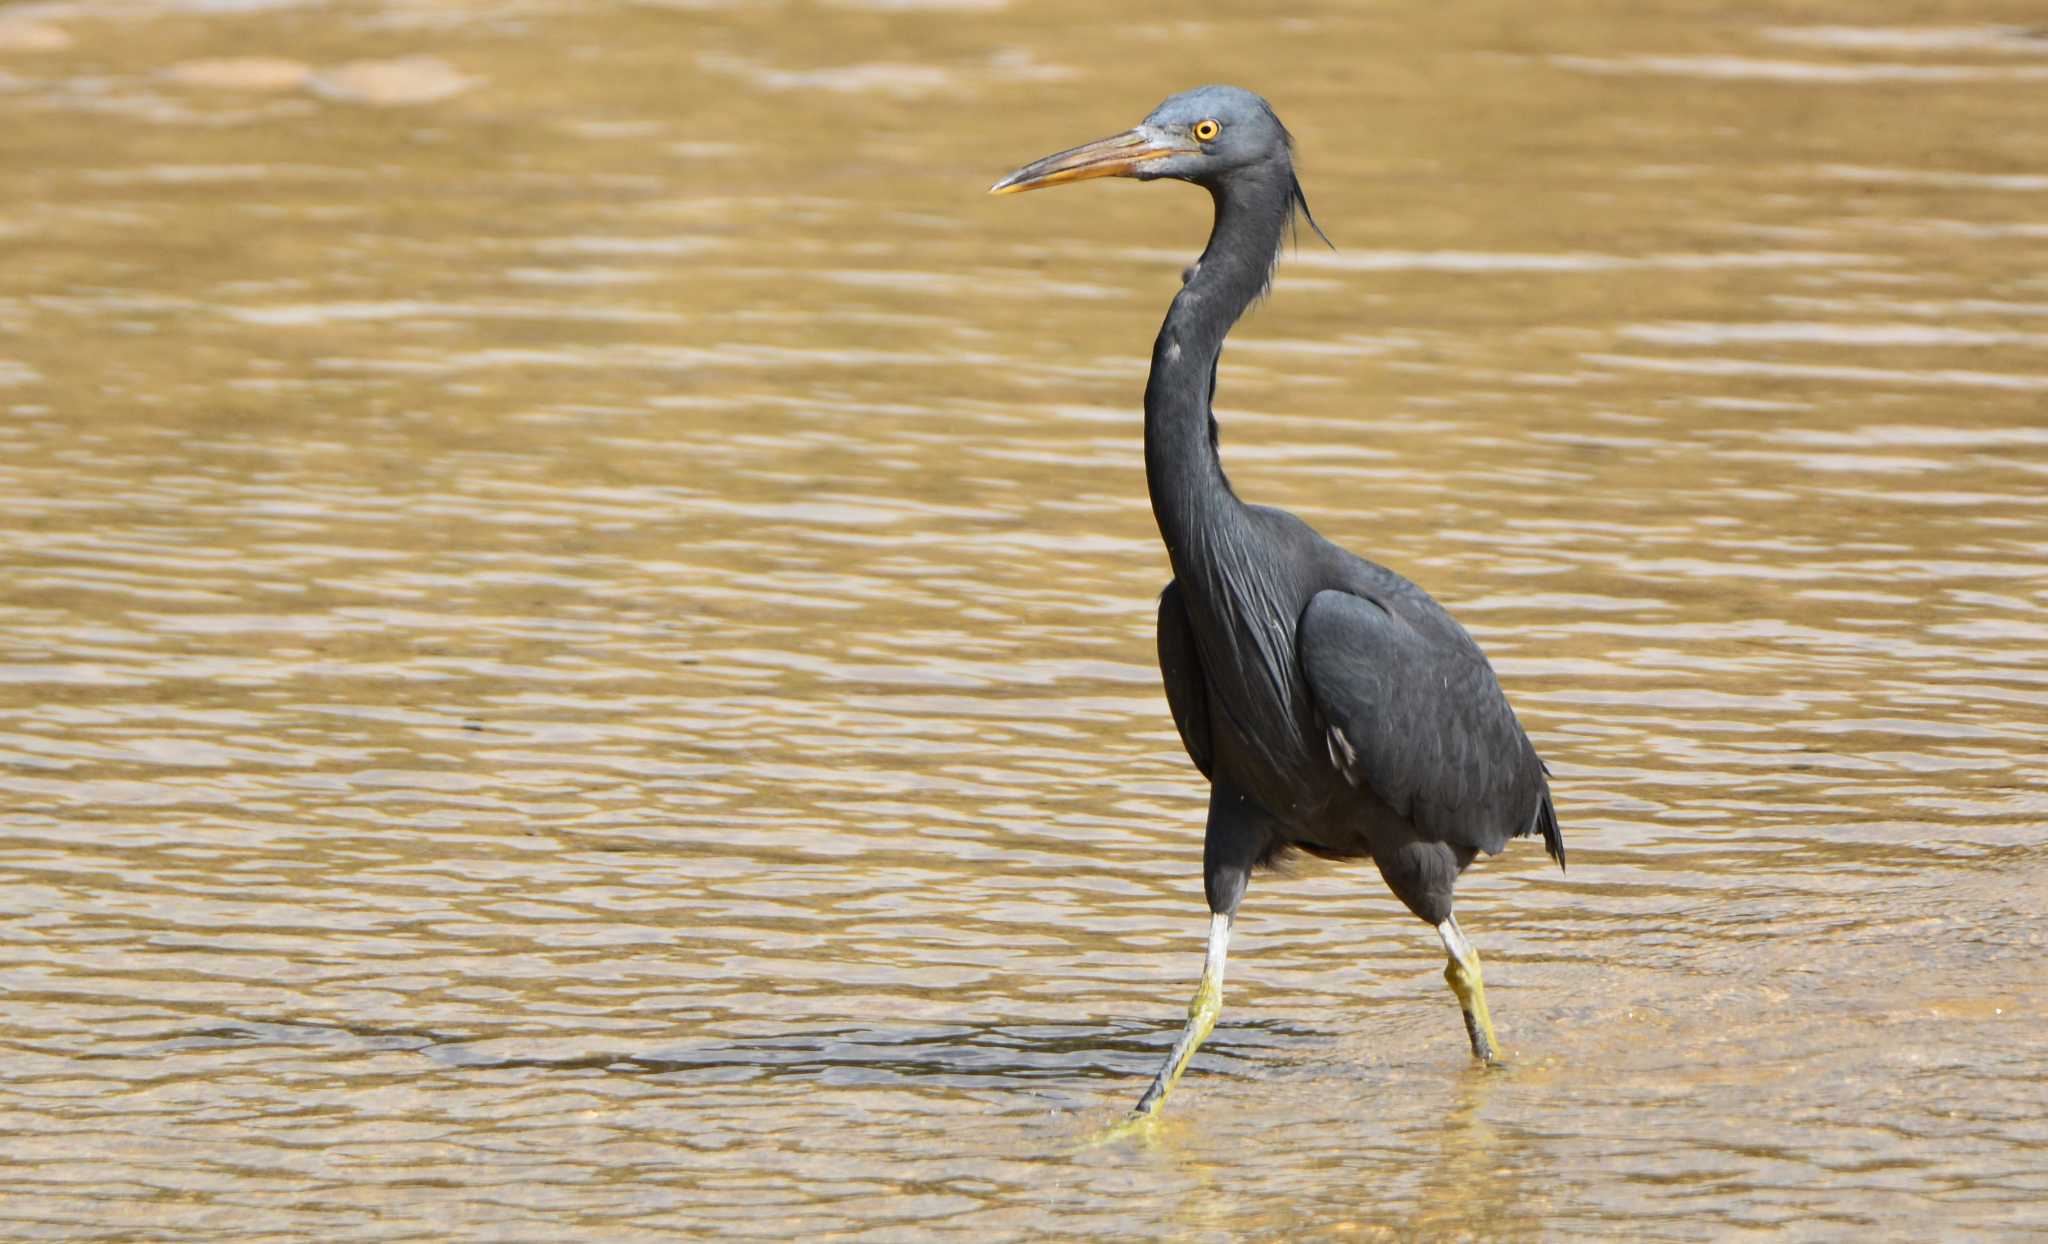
column 1419, row 720
column 1187, row 691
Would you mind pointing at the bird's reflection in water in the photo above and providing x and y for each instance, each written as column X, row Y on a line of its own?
column 1477, row 1188
column 1458, row 1176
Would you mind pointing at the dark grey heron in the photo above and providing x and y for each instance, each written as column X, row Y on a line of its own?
column 1334, row 707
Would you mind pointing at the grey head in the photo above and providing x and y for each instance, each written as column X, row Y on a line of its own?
column 1222, row 129
column 1220, row 137
column 1206, row 136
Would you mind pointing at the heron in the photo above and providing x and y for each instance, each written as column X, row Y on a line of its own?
column 1334, row 707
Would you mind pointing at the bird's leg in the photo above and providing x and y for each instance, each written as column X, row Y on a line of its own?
column 1239, row 834
column 1202, row 1013
column 1463, row 974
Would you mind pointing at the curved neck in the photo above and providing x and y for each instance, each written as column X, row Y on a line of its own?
column 1190, row 496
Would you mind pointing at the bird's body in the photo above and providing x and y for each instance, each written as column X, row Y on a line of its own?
column 1289, row 750
column 1332, row 704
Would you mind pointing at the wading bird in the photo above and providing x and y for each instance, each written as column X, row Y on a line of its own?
column 1334, row 707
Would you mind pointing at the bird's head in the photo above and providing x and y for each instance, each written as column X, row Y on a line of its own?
column 1207, row 136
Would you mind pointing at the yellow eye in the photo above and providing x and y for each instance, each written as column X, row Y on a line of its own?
column 1207, row 130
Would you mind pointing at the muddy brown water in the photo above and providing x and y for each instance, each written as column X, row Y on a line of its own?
column 576, row 660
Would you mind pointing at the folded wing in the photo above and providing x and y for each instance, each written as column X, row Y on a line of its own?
column 1419, row 720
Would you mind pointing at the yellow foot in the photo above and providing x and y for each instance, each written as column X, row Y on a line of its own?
column 1471, row 990
column 1462, row 972
column 1139, row 1125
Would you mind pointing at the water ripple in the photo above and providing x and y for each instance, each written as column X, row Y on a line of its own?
column 580, row 662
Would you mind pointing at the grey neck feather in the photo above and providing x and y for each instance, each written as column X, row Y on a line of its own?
column 1191, row 498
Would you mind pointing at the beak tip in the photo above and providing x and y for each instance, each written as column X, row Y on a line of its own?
column 1116, row 156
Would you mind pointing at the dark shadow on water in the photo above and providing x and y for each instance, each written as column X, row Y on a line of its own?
column 964, row 1056
column 258, row 1033
column 956, row 1055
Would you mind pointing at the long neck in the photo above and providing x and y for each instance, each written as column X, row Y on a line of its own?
column 1190, row 496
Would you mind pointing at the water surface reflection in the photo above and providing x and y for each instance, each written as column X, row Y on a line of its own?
column 578, row 646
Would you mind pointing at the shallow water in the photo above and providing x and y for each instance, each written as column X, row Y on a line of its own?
column 576, row 655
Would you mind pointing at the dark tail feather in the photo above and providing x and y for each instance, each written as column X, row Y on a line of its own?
column 1553, row 837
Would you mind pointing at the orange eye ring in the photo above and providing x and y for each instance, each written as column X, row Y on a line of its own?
column 1206, row 131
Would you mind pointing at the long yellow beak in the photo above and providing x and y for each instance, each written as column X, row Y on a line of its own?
column 1115, row 156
